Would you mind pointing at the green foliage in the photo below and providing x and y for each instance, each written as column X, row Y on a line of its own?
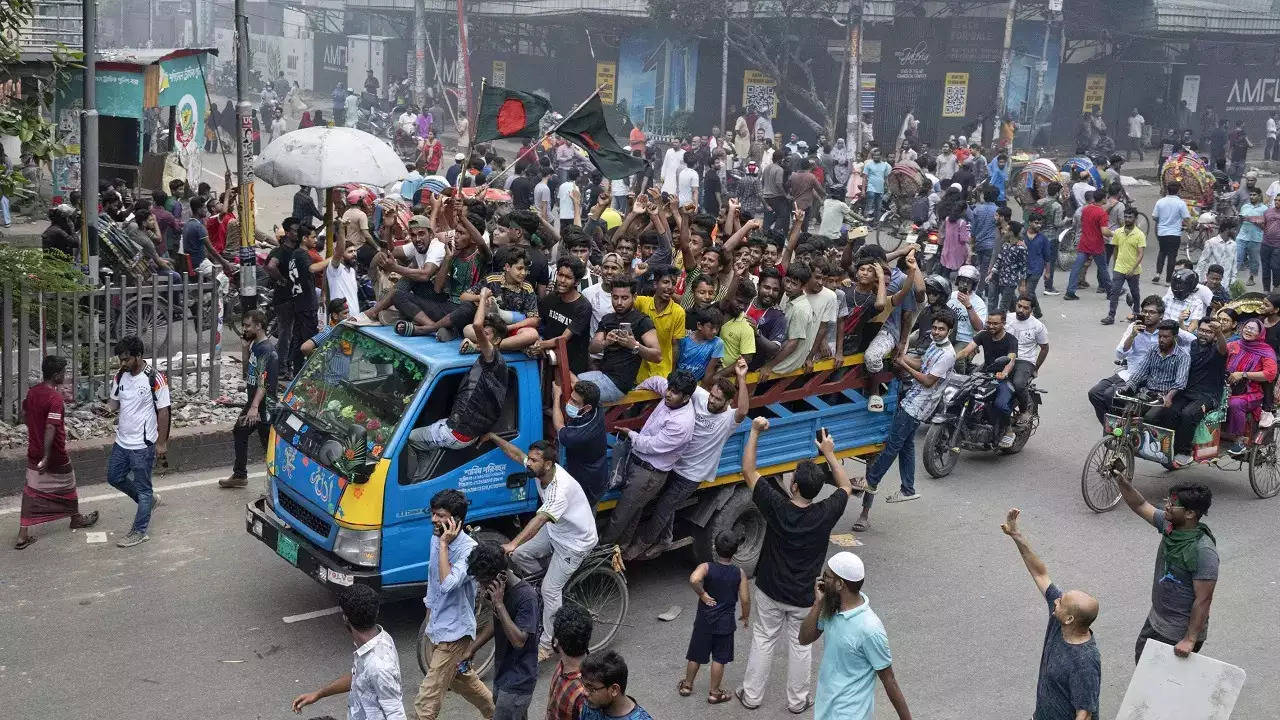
column 25, row 118
column 33, row 270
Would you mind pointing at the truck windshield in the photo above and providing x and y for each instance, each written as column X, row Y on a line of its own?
column 353, row 379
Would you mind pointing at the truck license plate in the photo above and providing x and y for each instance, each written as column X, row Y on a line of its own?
column 287, row 548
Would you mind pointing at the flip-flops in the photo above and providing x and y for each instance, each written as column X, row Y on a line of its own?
column 685, row 688
column 718, row 697
column 23, row 543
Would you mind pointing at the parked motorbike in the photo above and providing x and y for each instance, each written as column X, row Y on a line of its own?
column 963, row 421
column 930, row 244
column 376, row 122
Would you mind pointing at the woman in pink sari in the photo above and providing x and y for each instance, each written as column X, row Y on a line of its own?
column 1250, row 363
column 955, row 240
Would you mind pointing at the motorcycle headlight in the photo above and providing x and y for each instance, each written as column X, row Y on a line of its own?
column 359, row 547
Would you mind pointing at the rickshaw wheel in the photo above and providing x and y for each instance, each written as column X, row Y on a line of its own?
column 1100, row 491
column 1264, row 474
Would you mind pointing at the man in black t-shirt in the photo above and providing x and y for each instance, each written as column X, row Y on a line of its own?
column 262, row 374
column 294, row 298
column 565, row 313
column 522, row 188
column 517, row 617
column 624, row 338
column 797, row 531
column 481, row 395
column 999, row 351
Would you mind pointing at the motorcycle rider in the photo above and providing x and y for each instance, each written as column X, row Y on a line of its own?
column 999, row 351
column 1182, row 303
column 969, row 308
column 1033, row 348
column 937, row 294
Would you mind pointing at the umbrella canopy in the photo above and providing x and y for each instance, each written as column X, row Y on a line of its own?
column 327, row 157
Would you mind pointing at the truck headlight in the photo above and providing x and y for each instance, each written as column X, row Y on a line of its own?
column 358, row 547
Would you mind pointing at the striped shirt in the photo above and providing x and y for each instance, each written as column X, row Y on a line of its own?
column 1159, row 372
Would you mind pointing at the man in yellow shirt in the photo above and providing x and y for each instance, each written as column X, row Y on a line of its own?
column 738, row 334
column 1130, row 243
column 668, row 320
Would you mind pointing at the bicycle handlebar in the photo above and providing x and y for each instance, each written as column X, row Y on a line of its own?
column 1139, row 401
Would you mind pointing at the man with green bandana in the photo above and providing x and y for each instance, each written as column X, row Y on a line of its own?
column 1186, row 566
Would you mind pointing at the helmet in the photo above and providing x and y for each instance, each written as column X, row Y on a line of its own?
column 359, row 196
column 967, row 272
column 1183, row 284
column 940, row 285
column 1206, row 218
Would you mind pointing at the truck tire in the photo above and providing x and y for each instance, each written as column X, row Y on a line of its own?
column 739, row 513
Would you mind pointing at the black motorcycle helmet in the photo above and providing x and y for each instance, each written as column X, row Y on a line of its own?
column 1184, row 283
column 936, row 284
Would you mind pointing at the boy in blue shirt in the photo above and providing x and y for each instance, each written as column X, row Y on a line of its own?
column 701, row 351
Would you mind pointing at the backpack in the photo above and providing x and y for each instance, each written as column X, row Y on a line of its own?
column 151, row 385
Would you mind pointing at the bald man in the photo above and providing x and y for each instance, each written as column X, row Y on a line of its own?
column 1070, row 666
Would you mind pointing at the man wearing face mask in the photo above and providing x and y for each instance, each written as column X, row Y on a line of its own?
column 559, row 536
column 579, row 427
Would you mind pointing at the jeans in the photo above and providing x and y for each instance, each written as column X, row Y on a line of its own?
column 306, row 323
column 129, row 471
column 1054, row 243
column 643, row 485
column 875, row 201
column 1247, row 256
column 240, row 435
column 4, row 210
column 1002, row 297
column 284, row 329
column 1118, row 281
column 609, row 393
column 413, row 298
column 900, row 446
column 1183, row 415
column 770, row 620
column 1168, row 254
column 1033, row 283
column 1102, row 396
column 511, row 706
column 1269, row 262
column 1099, row 264
column 982, row 260
column 1149, row 632
column 658, row 525
column 561, row 564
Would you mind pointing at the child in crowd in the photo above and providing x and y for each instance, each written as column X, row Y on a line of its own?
column 719, row 585
column 704, row 293
column 338, row 312
column 1213, row 281
column 834, row 278
column 701, row 352
column 864, row 300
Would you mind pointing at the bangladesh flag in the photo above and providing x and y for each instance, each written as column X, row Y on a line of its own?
column 587, row 128
column 508, row 113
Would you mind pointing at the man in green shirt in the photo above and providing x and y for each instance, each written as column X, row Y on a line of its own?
column 738, row 334
column 1129, row 242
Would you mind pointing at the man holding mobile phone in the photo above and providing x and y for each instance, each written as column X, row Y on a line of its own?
column 624, row 338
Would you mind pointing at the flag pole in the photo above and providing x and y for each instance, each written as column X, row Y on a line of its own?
column 540, row 140
column 471, row 139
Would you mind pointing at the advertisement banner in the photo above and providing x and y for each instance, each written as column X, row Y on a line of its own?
column 182, row 87
column 1095, row 92
column 330, row 61
column 499, row 76
column 759, row 93
column 955, row 94
column 868, row 94
column 1032, row 84
column 607, row 81
column 657, row 78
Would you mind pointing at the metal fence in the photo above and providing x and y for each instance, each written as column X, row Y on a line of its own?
column 179, row 322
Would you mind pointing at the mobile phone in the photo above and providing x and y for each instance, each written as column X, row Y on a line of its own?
column 819, row 435
column 666, row 196
column 624, row 328
column 464, row 666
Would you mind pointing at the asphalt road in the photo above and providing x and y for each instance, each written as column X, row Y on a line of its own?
column 197, row 622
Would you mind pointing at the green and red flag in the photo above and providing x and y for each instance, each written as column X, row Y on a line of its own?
column 507, row 113
column 587, row 129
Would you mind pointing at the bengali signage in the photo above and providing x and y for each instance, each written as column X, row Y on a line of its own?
column 1095, row 92
column 607, row 81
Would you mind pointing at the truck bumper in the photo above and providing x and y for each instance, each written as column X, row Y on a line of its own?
column 262, row 523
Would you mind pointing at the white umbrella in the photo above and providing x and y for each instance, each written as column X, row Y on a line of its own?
column 328, row 157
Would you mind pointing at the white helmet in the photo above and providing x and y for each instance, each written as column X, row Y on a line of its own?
column 968, row 271
column 1207, row 218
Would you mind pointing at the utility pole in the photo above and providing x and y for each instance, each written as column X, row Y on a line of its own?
column 89, row 140
column 244, row 165
column 420, row 54
column 724, row 73
column 464, row 72
column 853, row 116
column 1005, row 59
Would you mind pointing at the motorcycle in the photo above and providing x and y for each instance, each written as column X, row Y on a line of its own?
column 375, row 122
column 963, row 421
column 930, row 243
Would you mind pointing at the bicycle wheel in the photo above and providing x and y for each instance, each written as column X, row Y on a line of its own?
column 888, row 231
column 1144, row 223
column 1066, row 249
column 603, row 592
column 1100, row 491
column 143, row 315
column 1264, row 474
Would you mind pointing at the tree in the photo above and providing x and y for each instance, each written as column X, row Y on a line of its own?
column 24, row 117
column 776, row 37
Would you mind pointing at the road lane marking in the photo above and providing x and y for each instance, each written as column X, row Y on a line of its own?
column 158, row 488
column 312, row 615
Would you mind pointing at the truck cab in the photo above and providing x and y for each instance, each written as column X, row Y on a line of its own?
column 348, row 500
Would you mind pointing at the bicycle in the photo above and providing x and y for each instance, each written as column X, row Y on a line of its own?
column 597, row 585
column 891, row 227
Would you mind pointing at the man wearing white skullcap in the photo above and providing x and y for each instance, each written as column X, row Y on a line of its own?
column 856, row 649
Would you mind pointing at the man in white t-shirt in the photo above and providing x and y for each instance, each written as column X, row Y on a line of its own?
column 340, row 273
column 671, row 162
column 1136, row 121
column 561, row 533
column 141, row 395
column 1033, row 348
column 569, row 199
column 687, row 184
column 713, row 424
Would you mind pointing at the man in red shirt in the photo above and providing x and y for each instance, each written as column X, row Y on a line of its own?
column 1093, row 230
column 50, row 490
column 571, row 633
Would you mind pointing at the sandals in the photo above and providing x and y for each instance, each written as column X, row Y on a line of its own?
column 861, row 525
column 685, row 688
column 23, row 543
column 468, row 347
column 717, row 697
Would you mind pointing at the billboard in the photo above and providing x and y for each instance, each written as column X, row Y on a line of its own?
column 657, row 77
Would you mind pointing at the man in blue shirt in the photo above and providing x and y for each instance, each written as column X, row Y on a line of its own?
column 1169, row 214
column 877, row 171
column 1000, row 176
column 451, row 611
column 856, row 650
column 983, row 231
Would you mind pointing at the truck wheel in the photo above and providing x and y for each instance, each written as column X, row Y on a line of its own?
column 484, row 616
column 938, row 455
column 741, row 514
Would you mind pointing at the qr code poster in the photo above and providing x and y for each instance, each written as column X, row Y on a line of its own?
column 955, row 94
column 759, row 93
